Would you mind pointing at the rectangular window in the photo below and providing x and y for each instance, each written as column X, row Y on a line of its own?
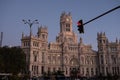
column 100, row 41
column 49, row 59
column 66, row 71
column 101, row 59
column 118, row 70
column 113, row 49
column 113, row 70
column 54, row 69
column 59, row 68
column 107, row 70
column 49, row 69
column 103, row 70
column 42, row 57
column 113, row 59
column 87, row 71
column 43, row 36
column 92, row 73
column 42, row 69
column 83, row 71
column 67, row 27
column 32, row 68
column 37, row 69
column 96, row 70
column 26, row 43
column 35, row 55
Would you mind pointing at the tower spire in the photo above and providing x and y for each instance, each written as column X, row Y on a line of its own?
column 1, row 39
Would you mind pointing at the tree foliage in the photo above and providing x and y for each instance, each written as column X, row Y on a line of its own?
column 12, row 60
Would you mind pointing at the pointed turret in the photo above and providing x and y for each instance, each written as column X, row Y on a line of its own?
column 22, row 34
column 43, row 33
column 117, row 41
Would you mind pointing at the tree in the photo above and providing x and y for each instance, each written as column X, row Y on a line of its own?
column 12, row 60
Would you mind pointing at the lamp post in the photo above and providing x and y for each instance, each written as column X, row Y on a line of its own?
column 30, row 23
column 62, row 57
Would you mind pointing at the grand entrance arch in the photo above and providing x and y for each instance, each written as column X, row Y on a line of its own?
column 74, row 67
column 74, row 63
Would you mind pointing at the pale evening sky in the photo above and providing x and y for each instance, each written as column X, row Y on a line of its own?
column 48, row 13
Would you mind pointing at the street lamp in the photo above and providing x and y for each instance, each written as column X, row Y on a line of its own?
column 62, row 56
column 30, row 23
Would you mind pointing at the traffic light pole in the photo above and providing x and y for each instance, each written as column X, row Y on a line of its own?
column 101, row 15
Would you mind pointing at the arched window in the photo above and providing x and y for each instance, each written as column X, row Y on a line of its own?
column 82, row 60
column 54, row 59
column 74, row 62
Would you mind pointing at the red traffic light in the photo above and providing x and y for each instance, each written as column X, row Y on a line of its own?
column 80, row 26
column 79, row 23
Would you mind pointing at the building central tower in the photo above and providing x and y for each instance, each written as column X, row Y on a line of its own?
column 66, row 32
column 66, row 23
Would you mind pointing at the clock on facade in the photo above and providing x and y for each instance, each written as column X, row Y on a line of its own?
column 67, row 19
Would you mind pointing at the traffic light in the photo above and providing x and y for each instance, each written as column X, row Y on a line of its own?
column 80, row 26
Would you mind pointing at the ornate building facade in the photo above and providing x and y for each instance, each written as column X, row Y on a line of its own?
column 68, row 53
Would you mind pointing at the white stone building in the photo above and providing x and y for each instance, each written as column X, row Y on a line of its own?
column 67, row 53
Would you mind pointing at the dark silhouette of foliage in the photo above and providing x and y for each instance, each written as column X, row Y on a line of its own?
column 12, row 60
